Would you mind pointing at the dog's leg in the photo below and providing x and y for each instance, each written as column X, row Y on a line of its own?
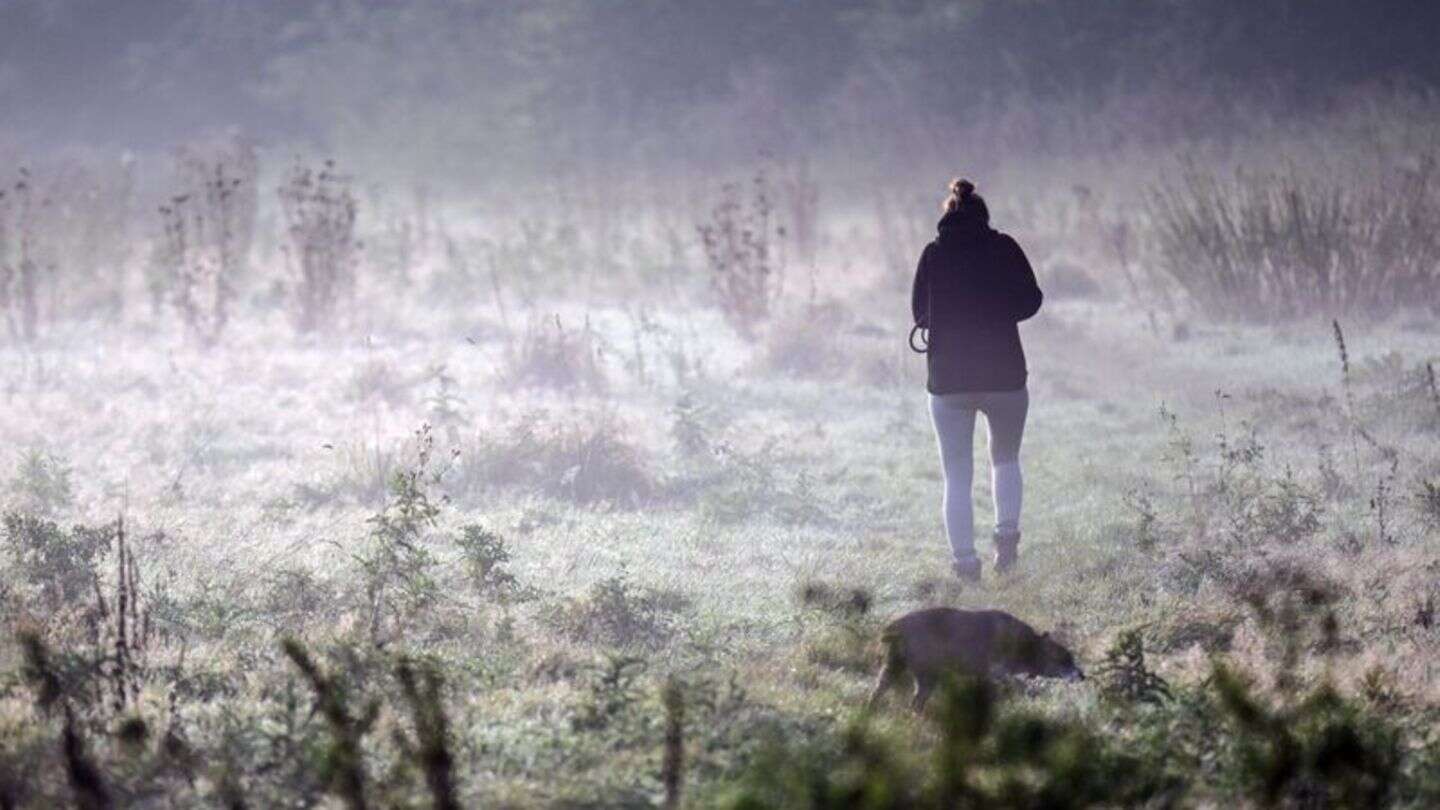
column 882, row 684
column 890, row 673
column 923, row 687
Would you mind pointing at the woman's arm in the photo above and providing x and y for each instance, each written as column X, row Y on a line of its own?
column 920, row 291
column 1024, row 296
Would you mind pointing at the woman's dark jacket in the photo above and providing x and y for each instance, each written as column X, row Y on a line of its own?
column 972, row 287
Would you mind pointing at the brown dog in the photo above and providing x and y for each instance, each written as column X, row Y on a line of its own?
column 928, row 644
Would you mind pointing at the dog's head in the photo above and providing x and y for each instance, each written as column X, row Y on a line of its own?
column 1044, row 656
column 1055, row 661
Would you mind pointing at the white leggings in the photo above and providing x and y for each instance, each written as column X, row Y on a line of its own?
column 954, row 416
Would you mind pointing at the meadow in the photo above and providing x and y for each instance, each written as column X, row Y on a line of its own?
column 317, row 494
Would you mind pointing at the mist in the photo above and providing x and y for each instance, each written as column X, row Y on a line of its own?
column 550, row 403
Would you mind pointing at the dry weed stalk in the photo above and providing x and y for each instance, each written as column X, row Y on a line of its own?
column 127, row 623
column 802, row 199
column 423, row 693
column 1434, row 389
column 207, row 232
column 745, row 273
column 346, row 756
column 86, row 780
column 320, row 214
column 19, row 268
column 672, row 771
column 1351, row 414
column 1282, row 244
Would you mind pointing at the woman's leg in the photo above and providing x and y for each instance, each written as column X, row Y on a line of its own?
column 954, row 416
column 1005, row 419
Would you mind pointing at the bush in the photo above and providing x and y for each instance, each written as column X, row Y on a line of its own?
column 1235, row 511
column 747, row 487
column 378, row 380
column 690, row 426
column 365, row 472
column 446, row 408
column 612, row 695
column 65, row 236
column 295, row 597
column 846, row 637
column 983, row 758
column 1124, row 674
column 63, row 565
column 584, row 460
column 484, row 554
column 1278, row 245
column 1318, row 751
column 41, row 484
column 397, row 563
column 550, row 356
column 617, row 612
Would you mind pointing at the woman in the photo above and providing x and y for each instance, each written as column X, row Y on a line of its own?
column 972, row 287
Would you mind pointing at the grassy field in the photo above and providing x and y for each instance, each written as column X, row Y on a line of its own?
column 558, row 503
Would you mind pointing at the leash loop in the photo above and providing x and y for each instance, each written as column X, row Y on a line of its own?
column 924, row 335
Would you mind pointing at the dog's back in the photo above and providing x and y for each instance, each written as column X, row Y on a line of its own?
column 930, row 643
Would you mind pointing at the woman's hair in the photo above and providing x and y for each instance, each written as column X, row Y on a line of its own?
column 964, row 202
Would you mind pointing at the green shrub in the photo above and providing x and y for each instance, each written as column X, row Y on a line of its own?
column 1124, row 674
column 749, row 486
column 62, row 564
column 617, row 612
column 612, row 694
column 41, row 484
column 587, row 459
column 397, row 563
column 980, row 757
column 484, row 555
column 845, row 636
column 1319, row 750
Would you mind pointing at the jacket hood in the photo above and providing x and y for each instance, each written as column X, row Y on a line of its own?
column 962, row 227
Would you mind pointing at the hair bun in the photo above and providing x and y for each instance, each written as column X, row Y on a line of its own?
column 962, row 188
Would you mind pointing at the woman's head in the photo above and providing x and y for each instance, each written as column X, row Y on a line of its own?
column 964, row 204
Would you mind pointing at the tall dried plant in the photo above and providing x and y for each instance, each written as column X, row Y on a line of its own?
column 740, row 243
column 87, row 233
column 802, row 203
column 127, row 623
column 20, row 269
column 8, row 271
column 345, row 758
column 207, row 232
column 1281, row 244
column 320, row 212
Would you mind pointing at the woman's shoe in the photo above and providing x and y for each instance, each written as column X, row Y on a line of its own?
column 1007, row 551
column 967, row 570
